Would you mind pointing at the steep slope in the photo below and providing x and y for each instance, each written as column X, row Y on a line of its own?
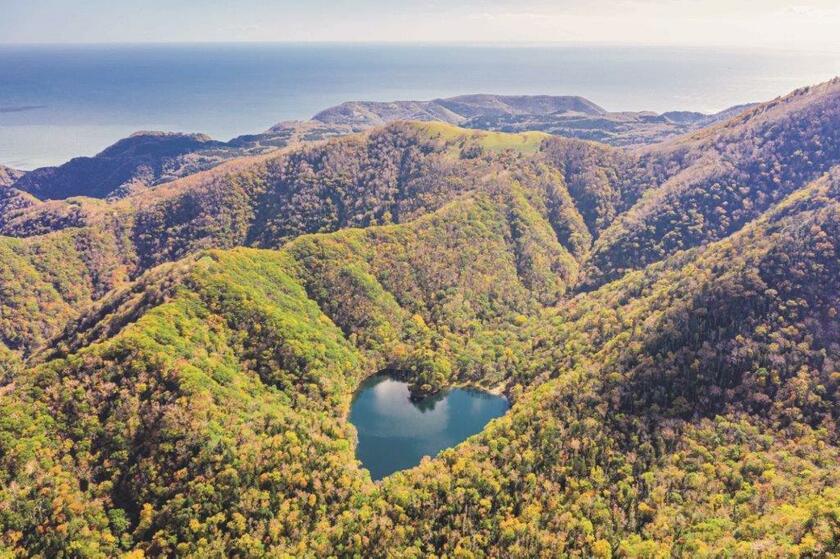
column 603, row 182
column 687, row 409
column 46, row 281
column 146, row 159
column 399, row 153
column 115, row 471
column 228, row 351
column 694, row 412
column 149, row 158
column 779, row 267
column 396, row 174
column 637, row 207
column 140, row 160
column 390, row 175
column 715, row 181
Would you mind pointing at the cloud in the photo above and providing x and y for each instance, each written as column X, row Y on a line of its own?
column 662, row 22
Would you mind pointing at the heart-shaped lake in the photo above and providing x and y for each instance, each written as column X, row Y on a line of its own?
column 396, row 433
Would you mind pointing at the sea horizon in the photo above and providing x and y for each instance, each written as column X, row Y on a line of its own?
column 68, row 100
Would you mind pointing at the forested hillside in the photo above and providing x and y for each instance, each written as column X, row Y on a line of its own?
column 177, row 364
column 712, row 183
column 395, row 174
column 147, row 158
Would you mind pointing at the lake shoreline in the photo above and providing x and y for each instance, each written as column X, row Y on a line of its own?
column 394, row 432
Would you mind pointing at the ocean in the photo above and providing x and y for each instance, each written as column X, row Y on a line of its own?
column 57, row 102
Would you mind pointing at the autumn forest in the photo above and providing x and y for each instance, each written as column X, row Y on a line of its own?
column 183, row 324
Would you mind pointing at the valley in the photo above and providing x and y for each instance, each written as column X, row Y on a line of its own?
column 181, row 341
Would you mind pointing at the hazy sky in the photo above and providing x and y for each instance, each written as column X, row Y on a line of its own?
column 774, row 23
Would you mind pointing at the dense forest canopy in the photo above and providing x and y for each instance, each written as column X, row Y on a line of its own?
column 177, row 357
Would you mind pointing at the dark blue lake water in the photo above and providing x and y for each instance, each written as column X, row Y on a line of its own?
column 60, row 101
column 396, row 433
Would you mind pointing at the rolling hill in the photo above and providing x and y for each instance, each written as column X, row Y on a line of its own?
column 567, row 116
column 177, row 363
column 147, row 159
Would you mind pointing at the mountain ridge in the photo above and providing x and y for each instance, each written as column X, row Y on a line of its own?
column 148, row 158
column 183, row 361
column 747, row 163
column 8, row 176
column 177, row 363
column 452, row 110
column 586, row 191
column 567, row 116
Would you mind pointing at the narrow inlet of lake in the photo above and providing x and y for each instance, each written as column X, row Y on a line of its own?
column 396, row 433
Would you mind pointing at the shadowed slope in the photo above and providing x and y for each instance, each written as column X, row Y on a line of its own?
column 715, row 181
column 137, row 161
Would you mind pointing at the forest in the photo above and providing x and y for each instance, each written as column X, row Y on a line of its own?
column 177, row 359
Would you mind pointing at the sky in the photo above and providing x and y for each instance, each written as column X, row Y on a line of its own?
column 802, row 25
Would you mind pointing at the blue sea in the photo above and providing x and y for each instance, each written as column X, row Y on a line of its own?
column 57, row 102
